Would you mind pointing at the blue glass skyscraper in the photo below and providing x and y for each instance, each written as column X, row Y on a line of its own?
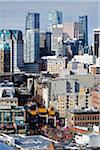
column 32, row 38
column 55, row 17
column 32, row 21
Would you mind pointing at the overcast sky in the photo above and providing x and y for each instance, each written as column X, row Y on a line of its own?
column 13, row 13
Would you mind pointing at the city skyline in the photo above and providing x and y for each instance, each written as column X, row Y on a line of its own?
column 49, row 74
column 13, row 13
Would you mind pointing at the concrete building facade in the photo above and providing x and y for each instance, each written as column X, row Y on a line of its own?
column 53, row 64
column 57, row 39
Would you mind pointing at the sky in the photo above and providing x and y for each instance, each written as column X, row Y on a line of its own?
column 13, row 13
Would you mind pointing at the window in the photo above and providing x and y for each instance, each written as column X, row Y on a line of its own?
column 80, row 117
column 19, row 114
column 7, row 117
column 75, row 118
column 95, row 117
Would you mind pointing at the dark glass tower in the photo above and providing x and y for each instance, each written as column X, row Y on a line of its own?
column 11, row 51
column 97, row 42
column 84, row 22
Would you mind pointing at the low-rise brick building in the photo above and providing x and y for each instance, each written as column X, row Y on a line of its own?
column 83, row 118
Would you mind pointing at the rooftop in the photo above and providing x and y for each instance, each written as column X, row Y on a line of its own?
column 36, row 141
column 4, row 146
column 85, row 111
column 53, row 57
column 97, row 29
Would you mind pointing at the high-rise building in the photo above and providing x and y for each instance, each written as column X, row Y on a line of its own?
column 48, row 42
column 42, row 44
column 4, row 57
column 72, row 30
column 45, row 43
column 72, row 47
column 32, row 38
column 97, row 42
column 55, row 17
column 11, row 51
column 83, row 20
column 32, row 21
column 57, row 39
column 18, row 55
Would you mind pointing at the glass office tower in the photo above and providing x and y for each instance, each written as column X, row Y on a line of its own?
column 32, row 21
column 96, row 35
column 32, row 38
column 83, row 20
column 11, row 51
column 54, row 18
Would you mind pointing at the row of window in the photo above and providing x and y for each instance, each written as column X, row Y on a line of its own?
column 97, row 117
column 10, row 102
column 86, row 124
column 9, row 115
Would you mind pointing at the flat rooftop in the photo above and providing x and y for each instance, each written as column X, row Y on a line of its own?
column 36, row 141
column 85, row 112
column 4, row 146
column 53, row 57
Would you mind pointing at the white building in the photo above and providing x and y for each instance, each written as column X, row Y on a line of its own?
column 8, row 88
column 76, row 68
column 92, row 140
column 32, row 46
column 7, row 94
column 95, row 68
column 45, row 95
column 96, row 128
column 57, row 38
column 82, row 139
column 54, row 64
column 86, row 59
column 98, row 62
